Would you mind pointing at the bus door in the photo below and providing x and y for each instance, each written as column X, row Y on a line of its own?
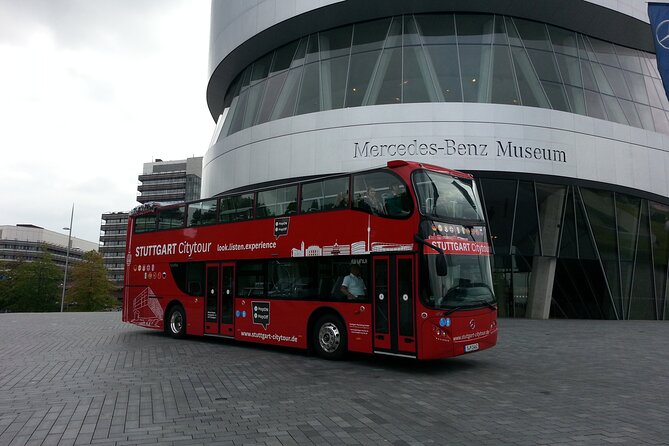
column 394, row 328
column 219, row 300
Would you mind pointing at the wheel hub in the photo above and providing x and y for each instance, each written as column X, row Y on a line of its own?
column 329, row 337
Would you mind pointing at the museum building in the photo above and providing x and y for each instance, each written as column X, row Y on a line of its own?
column 556, row 106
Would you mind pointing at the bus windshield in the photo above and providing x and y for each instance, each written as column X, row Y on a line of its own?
column 467, row 284
column 445, row 197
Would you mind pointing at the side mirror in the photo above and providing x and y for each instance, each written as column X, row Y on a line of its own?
column 442, row 265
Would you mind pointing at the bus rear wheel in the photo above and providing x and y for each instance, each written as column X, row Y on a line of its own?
column 176, row 322
column 329, row 337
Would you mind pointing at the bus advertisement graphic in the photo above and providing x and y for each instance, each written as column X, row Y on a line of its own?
column 281, row 226
column 261, row 313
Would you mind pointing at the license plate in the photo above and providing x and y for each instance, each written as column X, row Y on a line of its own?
column 471, row 347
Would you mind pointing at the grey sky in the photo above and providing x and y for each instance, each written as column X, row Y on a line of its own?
column 89, row 91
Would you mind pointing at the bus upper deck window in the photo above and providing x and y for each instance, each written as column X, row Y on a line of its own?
column 381, row 193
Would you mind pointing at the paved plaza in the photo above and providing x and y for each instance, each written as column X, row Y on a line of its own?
column 91, row 379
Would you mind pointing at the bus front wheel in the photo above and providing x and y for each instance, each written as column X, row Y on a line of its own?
column 176, row 322
column 329, row 337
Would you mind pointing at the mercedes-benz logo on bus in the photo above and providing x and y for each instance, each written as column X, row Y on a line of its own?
column 662, row 34
column 472, row 324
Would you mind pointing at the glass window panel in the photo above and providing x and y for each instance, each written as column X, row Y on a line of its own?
column 588, row 76
column 202, row 213
column 568, row 243
column 277, row 202
column 475, row 66
column 642, row 302
column 394, row 38
column 628, row 58
column 514, row 38
column 659, row 228
column 237, row 111
column 309, row 100
column 570, row 69
column 586, row 247
column 550, row 199
column 171, row 218
column 604, row 52
column 274, row 86
column 436, row 28
column 563, row 41
column 636, row 86
column 533, row 34
column 645, row 116
column 662, row 94
column 444, row 58
column 285, row 104
column 251, row 278
column 576, row 100
column 602, row 83
column 145, row 223
column 387, row 85
column 236, row 208
column 298, row 59
column 499, row 32
column 336, row 42
column 325, row 195
column 653, row 97
column 613, row 110
column 411, row 36
column 594, row 105
column 660, row 120
column 359, row 76
column 600, row 208
column 531, row 92
column 417, row 84
column 370, row 35
column 233, row 91
column 283, row 57
column 261, row 68
column 544, row 65
column 627, row 214
column 644, row 64
column 333, row 82
column 556, row 95
column 617, row 81
column 381, row 193
column 526, row 227
column 312, row 49
column 255, row 96
column 246, row 77
column 474, row 28
column 504, row 90
column 630, row 112
column 500, row 196
column 651, row 63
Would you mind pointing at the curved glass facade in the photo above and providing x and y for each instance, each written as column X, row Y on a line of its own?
column 450, row 58
column 611, row 250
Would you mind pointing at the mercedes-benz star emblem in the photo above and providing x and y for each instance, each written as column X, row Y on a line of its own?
column 662, row 34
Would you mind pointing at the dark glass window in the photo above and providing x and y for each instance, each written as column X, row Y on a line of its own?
column 171, row 218
column 370, row 35
column 251, row 279
column 381, row 193
column 145, row 223
column 202, row 213
column 325, row 195
column 336, row 42
column 236, row 208
column 189, row 277
column 277, row 202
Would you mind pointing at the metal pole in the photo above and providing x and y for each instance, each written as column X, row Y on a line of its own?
column 67, row 258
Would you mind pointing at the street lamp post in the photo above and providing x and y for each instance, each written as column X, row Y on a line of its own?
column 67, row 258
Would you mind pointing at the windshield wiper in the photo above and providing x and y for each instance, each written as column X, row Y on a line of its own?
column 479, row 302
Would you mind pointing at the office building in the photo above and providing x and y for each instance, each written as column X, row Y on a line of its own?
column 170, row 181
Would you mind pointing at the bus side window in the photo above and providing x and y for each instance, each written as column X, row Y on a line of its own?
column 381, row 193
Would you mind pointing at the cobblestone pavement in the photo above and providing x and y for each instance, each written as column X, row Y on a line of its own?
column 90, row 379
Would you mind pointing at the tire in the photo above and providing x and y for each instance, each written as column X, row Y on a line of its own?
column 329, row 337
column 175, row 325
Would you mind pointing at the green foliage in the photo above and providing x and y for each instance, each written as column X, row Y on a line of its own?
column 32, row 286
column 90, row 290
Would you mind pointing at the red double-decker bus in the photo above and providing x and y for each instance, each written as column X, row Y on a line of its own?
column 393, row 260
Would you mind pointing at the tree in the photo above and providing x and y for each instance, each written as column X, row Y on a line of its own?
column 34, row 286
column 90, row 289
